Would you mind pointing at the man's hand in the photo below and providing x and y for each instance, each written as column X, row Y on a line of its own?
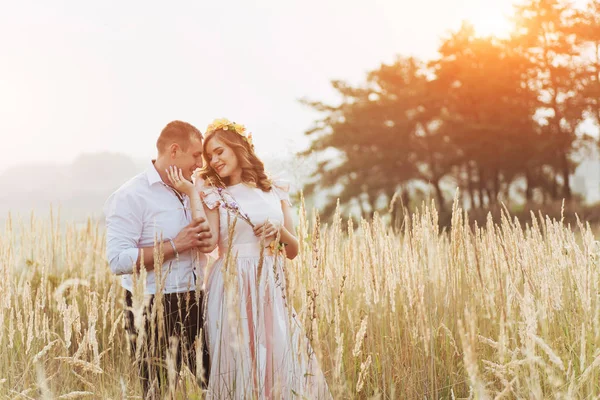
column 196, row 234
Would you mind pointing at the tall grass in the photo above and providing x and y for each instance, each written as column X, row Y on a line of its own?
column 501, row 311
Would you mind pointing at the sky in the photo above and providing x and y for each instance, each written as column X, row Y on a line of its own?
column 91, row 76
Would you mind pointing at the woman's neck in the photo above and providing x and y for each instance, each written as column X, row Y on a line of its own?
column 235, row 178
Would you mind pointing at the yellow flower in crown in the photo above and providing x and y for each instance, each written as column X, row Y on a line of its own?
column 239, row 128
column 226, row 125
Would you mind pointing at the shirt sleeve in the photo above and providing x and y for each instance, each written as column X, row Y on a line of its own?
column 123, row 232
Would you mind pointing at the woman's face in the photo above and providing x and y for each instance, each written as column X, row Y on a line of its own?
column 221, row 158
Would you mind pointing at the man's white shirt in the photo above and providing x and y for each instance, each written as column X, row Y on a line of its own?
column 142, row 212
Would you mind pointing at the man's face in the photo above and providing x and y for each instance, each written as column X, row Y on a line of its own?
column 190, row 159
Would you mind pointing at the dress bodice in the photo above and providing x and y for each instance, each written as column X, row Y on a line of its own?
column 252, row 202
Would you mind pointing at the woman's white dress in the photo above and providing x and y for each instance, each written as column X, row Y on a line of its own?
column 257, row 347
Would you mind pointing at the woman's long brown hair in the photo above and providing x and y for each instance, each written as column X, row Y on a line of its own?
column 253, row 169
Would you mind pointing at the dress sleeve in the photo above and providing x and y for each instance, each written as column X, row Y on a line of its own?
column 281, row 187
column 210, row 197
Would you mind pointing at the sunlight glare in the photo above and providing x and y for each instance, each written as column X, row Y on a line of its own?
column 490, row 21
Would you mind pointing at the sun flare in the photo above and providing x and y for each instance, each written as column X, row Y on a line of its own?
column 490, row 22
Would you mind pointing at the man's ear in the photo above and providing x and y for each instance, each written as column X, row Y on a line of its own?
column 173, row 150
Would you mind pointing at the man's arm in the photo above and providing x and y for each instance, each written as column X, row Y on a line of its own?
column 148, row 254
column 124, row 229
column 196, row 234
column 123, row 232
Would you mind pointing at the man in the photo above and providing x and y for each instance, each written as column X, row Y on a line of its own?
column 147, row 217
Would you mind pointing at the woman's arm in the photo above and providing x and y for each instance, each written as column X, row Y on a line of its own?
column 287, row 231
column 213, row 221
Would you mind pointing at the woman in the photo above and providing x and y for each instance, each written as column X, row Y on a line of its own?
column 256, row 345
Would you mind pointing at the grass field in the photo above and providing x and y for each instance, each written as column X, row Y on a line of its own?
column 500, row 311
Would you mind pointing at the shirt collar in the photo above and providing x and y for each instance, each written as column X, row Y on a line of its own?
column 152, row 174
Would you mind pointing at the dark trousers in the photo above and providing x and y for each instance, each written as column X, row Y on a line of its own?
column 175, row 331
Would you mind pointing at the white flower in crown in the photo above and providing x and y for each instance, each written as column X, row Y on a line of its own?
column 226, row 125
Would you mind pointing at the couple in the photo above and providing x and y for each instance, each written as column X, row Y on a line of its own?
column 239, row 327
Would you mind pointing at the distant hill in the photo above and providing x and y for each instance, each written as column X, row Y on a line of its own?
column 81, row 187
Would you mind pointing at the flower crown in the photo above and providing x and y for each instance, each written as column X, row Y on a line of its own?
column 226, row 125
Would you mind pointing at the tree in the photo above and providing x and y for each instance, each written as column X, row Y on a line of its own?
column 587, row 30
column 379, row 132
column 545, row 35
column 488, row 113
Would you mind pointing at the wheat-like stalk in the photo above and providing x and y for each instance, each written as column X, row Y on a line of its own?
column 496, row 311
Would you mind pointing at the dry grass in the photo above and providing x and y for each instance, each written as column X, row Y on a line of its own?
column 502, row 311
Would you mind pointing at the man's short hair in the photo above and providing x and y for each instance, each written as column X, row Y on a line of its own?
column 177, row 132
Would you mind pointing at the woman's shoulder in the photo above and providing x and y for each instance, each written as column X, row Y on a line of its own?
column 211, row 196
column 281, row 188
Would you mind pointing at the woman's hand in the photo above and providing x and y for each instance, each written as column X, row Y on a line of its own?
column 269, row 229
column 197, row 179
column 179, row 182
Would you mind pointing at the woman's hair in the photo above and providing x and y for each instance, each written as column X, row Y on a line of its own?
column 253, row 169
